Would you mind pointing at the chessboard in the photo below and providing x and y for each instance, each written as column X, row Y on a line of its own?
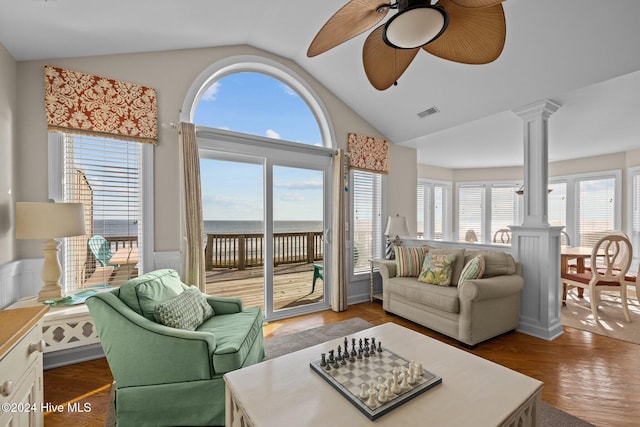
column 374, row 379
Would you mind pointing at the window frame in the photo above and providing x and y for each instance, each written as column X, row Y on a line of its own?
column 573, row 198
column 429, row 206
column 56, row 193
column 485, row 231
column 353, row 275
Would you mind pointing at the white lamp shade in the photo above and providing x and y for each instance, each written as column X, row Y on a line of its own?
column 45, row 220
column 397, row 226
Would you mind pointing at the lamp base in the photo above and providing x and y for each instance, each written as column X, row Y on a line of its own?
column 51, row 272
column 50, row 291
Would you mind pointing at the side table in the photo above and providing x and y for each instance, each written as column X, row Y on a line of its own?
column 21, row 346
column 64, row 327
column 372, row 296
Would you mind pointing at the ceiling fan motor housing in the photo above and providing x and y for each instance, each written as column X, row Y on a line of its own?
column 416, row 24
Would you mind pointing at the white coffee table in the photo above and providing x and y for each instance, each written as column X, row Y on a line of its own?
column 474, row 391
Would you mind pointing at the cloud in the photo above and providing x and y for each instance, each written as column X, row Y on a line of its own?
column 291, row 197
column 270, row 133
column 211, row 92
column 299, row 185
column 287, row 89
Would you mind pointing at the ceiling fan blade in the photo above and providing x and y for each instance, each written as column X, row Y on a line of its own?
column 477, row 3
column 383, row 64
column 474, row 36
column 350, row 20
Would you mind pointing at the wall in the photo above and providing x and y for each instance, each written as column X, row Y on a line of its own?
column 171, row 73
column 8, row 70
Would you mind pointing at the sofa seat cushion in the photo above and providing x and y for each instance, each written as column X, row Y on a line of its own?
column 143, row 293
column 234, row 335
column 444, row 298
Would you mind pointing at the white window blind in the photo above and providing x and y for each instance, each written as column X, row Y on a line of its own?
column 635, row 213
column 557, row 208
column 595, row 215
column 422, row 197
column 505, row 208
column 439, row 218
column 367, row 219
column 471, row 211
column 105, row 176
column 433, row 201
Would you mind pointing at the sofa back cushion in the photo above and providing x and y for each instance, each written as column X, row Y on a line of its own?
column 143, row 293
column 496, row 263
column 409, row 260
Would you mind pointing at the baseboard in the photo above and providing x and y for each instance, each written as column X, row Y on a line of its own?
column 70, row 356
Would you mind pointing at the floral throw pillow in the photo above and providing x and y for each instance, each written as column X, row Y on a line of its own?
column 437, row 269
column 473, row 270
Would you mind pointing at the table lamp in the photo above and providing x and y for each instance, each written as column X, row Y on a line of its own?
column 48, row 221
column 398, row 226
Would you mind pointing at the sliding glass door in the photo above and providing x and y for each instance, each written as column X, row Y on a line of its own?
column 266, row 227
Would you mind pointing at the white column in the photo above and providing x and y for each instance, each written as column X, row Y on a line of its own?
column 535, row 244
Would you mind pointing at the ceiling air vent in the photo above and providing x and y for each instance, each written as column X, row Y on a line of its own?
column 428, row 112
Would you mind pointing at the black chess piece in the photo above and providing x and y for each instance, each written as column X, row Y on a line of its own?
column 373, row 342
column 359, row 357
column 331, row 356
column 379, row 347
column 346, row 345
column 339, row 352
column 343, row 359
column 353, row 343
column 352, row 355
column 323, row 360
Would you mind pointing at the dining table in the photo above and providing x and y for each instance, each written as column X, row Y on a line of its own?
column 579, row 254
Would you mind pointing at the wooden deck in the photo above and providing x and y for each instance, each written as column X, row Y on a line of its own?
column 291, row 285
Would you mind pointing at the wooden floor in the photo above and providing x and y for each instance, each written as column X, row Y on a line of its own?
column 292, row 285
column 591, row 376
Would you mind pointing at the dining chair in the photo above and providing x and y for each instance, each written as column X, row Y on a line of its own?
column 503, row 235
column 614, row 253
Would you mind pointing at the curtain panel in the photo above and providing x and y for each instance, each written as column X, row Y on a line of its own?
column 339, row 233
column 82, row 103
column 194, row 273
column 368, row 153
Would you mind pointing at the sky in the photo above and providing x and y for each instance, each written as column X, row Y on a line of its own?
column 260, row 105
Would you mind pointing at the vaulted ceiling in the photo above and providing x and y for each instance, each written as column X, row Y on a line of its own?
column 582, row 54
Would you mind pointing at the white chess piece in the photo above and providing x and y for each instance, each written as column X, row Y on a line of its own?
column 404, row 384
column 395, row 387
column 364, row 394
column 411, row 374
column 388, row 384
column 372, row 401
column 382, row 393
column 419, row 369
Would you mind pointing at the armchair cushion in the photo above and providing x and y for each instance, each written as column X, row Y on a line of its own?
column 185, row 311
column 143, row 293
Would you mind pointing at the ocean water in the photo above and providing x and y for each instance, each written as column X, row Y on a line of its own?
column 254, row 227
column 118, row 227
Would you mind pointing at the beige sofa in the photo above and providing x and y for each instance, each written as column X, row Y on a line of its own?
column 473, row 312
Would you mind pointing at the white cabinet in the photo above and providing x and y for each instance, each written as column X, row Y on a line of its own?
column 21, row 347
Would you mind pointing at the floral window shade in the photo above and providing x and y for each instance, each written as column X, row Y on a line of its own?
column 83, row 103
column 368, row 153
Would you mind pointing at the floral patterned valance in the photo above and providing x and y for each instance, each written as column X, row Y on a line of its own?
column 83, row 103
column 368, row 153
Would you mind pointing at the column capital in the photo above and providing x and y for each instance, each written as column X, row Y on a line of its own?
column 544, row 109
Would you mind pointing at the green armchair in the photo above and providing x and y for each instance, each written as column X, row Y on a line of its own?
column 166, row 376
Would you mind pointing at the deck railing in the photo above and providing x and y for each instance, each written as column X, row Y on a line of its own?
column 246, row 250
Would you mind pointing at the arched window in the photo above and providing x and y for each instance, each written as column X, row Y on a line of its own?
column 257, row 104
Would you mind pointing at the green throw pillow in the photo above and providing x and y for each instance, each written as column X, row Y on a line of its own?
column 437, row 269
column 185, row 311
column 473, row 270
column 409, row 260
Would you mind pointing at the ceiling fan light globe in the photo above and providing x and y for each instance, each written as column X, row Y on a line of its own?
column 415, row 27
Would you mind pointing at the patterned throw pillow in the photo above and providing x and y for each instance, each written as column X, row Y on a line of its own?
column 185, row 311
column 409, row 260
column 473, row 270
column 437, row 269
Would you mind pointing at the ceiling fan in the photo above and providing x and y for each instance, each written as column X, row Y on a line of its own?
column 465, row 31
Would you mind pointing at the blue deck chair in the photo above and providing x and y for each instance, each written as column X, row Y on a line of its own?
column 101, row 250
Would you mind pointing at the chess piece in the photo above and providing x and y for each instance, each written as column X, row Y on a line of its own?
column 395, row 387
column 346, row 344
column 343, row 359
column 339, row 352
column 411, row 372
column 382, row 394
column 404, row 383
column 379, row 347
column 364, row 394
column 323, row 360
column 372, row 401
column 359, row 354
column 390, row 394
column 331, row 356
column 419, row 369
column 373, row 342
column 353, row 343
column 352, row 356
